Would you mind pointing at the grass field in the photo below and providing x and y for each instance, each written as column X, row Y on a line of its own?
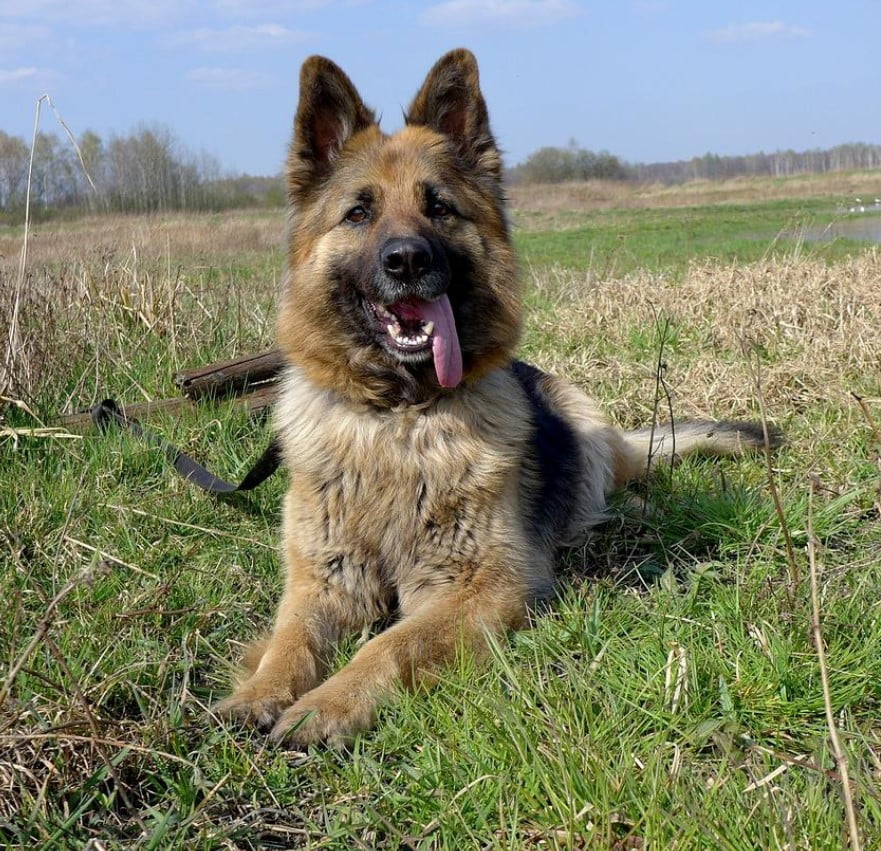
column 673, row 698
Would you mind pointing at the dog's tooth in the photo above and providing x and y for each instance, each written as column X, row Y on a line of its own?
column 427, row 328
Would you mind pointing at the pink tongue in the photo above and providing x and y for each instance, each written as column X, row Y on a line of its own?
column 444, row 341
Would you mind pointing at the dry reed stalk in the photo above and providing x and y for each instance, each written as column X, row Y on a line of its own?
column 802, row 761
column 663, row 330
column 794, row 572
column 14, row 345
column 838, row 752
column 16, row 433
column 110, row 558
column 876, row 432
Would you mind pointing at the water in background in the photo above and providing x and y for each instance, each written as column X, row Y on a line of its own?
column 858, row 221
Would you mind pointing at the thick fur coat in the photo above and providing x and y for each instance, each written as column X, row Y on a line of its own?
column 434, row 479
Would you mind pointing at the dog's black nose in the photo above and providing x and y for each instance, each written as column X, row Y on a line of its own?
column 406, row 258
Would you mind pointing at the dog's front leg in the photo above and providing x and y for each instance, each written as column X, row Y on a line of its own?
column 406, row 655
column 293, row 659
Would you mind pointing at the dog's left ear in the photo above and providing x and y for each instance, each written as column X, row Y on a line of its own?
column 451, row 103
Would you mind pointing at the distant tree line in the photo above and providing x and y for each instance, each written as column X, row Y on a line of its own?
column 854, row 156
column 572, row 163
column 556, row 165
column 148, row 170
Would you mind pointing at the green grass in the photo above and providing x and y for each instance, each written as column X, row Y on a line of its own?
column 614, row 242
column 670, row 699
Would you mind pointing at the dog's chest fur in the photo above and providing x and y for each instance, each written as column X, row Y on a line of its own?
column 387, row 503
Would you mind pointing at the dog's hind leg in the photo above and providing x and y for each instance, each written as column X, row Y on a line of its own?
column 578, row 452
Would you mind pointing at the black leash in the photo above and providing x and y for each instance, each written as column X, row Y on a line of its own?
column 108, row 413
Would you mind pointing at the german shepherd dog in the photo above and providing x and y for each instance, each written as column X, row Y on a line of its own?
column 433, row 476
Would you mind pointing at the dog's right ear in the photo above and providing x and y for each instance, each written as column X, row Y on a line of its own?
column 330, row 112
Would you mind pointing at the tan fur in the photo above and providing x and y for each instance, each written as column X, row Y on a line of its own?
column 439, row 505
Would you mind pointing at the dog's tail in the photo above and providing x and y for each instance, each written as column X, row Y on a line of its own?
column 646, row 448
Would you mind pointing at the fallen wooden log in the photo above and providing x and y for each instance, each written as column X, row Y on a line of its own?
column 229, row 377
column 257, row 400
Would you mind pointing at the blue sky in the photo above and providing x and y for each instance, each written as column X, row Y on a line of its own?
column 646, row 80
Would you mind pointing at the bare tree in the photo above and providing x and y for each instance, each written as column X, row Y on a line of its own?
column 13, row 172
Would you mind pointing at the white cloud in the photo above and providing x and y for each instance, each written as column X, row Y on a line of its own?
column 14, row 75
column 757, row 31
column 520, row 13
column 230, row 79
column 239, row 38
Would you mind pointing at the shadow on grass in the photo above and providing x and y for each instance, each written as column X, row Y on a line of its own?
column 670, row 525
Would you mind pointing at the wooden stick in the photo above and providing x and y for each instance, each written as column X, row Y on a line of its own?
column 258, row 399
column 228, row 377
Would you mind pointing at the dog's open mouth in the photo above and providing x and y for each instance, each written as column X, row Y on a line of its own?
column 414, row 326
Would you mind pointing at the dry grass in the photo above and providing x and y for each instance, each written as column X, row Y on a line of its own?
column 816, row 326
column 610, row 194
column 175, row 236
column 98, row 290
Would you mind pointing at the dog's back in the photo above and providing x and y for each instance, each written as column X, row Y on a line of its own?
column 578, row 458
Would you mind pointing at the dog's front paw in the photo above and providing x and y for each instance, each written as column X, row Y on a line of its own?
column 256, row 703
column 324, row 714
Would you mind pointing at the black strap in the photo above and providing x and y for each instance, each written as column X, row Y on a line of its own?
column 108, row 413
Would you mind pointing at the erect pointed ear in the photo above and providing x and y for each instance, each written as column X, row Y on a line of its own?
column 450, row 102
column 330, row 112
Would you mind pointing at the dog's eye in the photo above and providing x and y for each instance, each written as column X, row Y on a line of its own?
column 356, row 215
column 440, row 210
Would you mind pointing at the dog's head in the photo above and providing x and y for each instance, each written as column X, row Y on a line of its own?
column 401, row 280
